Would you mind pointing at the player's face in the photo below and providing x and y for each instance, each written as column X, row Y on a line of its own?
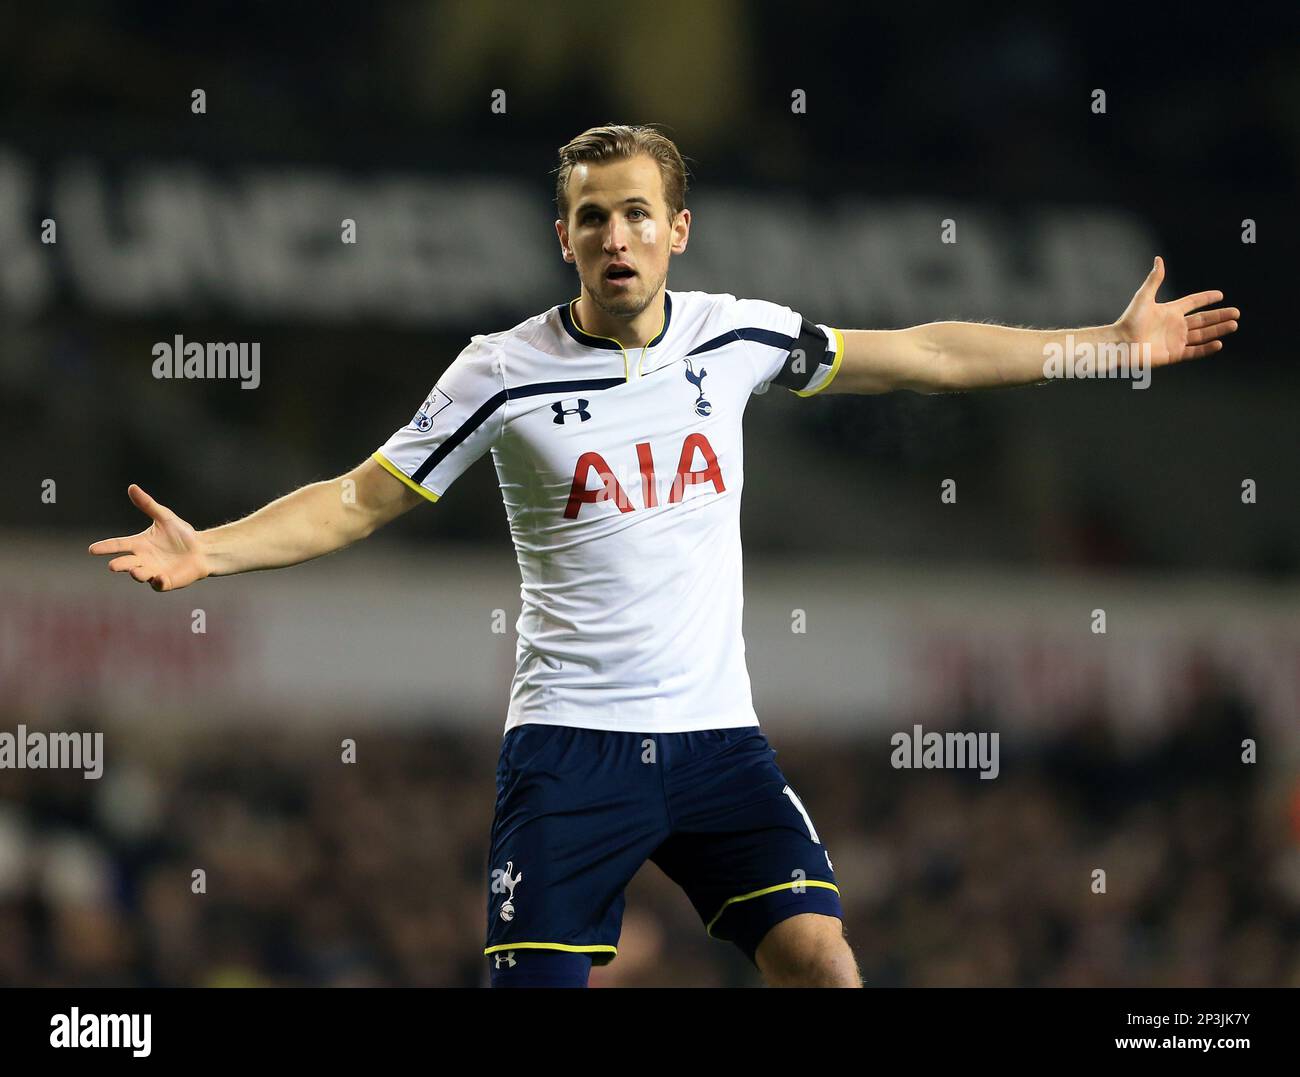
column 620, row 233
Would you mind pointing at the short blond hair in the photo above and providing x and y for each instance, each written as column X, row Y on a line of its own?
column 617, row 141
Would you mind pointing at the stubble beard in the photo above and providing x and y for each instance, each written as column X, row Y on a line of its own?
column 626, row 306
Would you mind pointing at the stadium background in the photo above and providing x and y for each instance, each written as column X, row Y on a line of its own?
column 1119, row 751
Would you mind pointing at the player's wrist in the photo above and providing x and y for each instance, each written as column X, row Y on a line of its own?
column 208, row 556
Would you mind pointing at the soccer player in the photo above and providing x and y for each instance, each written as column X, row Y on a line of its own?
column 614, row 422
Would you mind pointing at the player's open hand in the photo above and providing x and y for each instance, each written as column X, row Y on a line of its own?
column 166, row 555
column 1179, row 329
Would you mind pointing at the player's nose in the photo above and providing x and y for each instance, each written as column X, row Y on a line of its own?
column 616, row 235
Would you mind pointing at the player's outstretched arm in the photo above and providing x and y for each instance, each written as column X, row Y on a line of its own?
column 313, row 520
column 946, row 357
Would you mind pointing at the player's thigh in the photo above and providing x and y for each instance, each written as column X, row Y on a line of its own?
column 744, row 846
column 807, row 950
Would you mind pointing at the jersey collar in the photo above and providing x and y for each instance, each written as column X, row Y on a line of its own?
column 592, row 341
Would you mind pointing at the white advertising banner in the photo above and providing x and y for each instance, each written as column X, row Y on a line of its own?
column 377, row 635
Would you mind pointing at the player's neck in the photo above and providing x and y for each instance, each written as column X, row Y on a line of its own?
column 634, row 332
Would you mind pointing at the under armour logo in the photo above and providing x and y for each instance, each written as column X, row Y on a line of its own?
column 507, row 959
column 561, row 411
column 702, row 406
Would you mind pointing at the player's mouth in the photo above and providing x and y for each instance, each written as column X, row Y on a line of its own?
column 619, row 274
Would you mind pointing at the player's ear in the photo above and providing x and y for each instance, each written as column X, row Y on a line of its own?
column 562, row 231
column 681, row 229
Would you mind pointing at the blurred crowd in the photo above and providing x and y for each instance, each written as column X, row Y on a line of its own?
column 321, row 872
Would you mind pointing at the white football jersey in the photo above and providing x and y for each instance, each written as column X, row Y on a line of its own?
column 621, row 473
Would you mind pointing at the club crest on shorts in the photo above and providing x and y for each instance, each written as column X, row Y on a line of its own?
column 504, row 883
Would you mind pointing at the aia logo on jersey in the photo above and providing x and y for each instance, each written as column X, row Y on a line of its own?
column 562, row 411
column 611, row 490
column 702, row 406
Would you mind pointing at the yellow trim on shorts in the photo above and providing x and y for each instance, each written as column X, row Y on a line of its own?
column 835, row 365
column 603, row 949
column 767, row 890
column 396, row 472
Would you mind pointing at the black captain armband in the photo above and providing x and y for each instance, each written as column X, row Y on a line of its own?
column 808, row 354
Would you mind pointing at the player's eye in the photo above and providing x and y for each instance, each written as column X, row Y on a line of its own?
column 640, row 211
column 589, row 218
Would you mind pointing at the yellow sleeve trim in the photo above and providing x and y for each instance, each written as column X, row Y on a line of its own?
column 393, row 470
column 767, row 890
column 552, row 946
column 835, row 366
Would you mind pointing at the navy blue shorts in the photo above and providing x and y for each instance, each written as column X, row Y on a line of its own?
column 578, row 812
